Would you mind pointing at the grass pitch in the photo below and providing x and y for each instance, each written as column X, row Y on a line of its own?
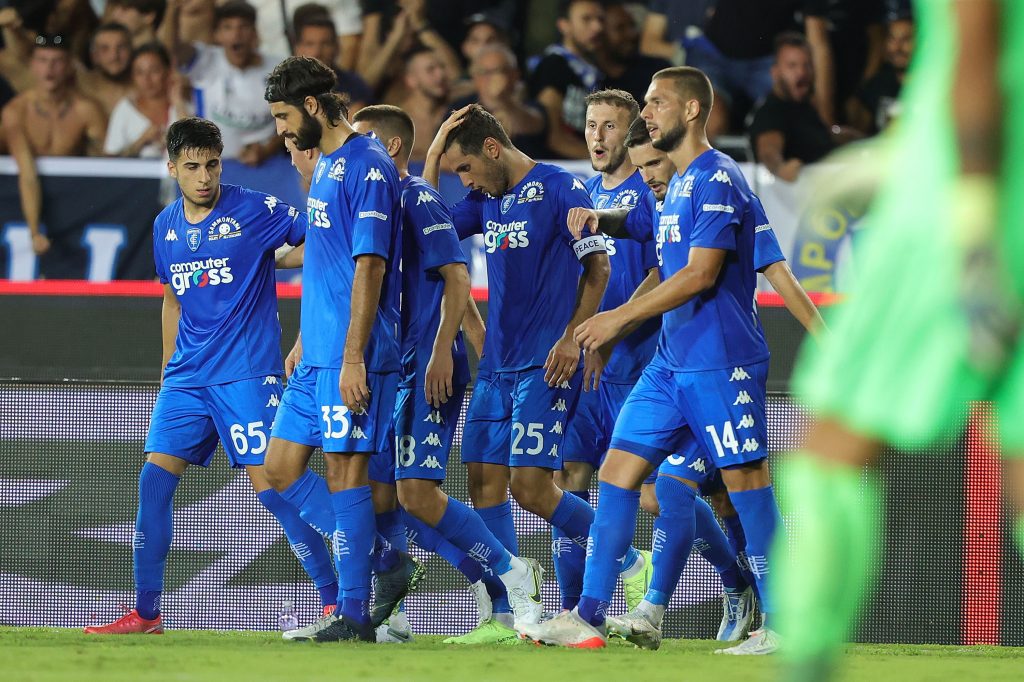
column 43, row 654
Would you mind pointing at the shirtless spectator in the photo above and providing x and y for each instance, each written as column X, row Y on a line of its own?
column 139, row 123
column 429, row 94
column 229, row 79
column 109, row 79
column 50, row 119
column 140, row 17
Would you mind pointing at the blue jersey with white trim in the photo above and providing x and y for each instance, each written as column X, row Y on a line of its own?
column 533, row 263
column 353, row 208
column 710, row 205
column 429, row 242
column 630, row 261
column 221, row 270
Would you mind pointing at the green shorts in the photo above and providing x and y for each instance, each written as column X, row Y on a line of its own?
column 895, row 365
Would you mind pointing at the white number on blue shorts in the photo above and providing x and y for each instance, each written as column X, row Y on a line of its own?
column 241, row 442
column 406, row 455
column 335, row 415
column 532, row 430
column 728, row 439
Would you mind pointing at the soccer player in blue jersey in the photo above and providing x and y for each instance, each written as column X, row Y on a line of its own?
column 542, row 285
column 706, row 384
column 341, row 396
column 214, row 252
column 435, row 371
column 617, row 185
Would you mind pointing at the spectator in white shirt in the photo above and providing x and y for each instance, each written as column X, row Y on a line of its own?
column 228, row 80
column 139, row 121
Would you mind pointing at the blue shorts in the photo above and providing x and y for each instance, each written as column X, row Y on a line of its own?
column 423, row 435
column 516, row 419
column 721, row 412
column 312, row 412
column 691, row 463
column 588, row 435
column 188, row 422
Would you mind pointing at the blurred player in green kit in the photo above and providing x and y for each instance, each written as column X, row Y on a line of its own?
column 931, row 324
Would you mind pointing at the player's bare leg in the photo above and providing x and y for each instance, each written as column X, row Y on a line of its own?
column 832, row 503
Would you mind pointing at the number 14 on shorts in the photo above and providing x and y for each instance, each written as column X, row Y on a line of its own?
column 728, row 439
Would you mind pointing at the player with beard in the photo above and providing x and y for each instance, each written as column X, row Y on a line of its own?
column 110, row 77
column 342, row 394
column 704, row 392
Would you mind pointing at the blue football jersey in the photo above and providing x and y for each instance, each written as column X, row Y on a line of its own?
column 766, row 246
column 222, row 271
column 353, row 208
column 533, row 263
column 428, row 242
column 630, row 261
column 710, row 205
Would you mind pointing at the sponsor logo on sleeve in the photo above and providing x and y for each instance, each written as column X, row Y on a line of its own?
column 722, row 208
column 373, row 214
column 438, row 227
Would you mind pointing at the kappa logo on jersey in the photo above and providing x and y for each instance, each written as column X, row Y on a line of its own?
column 576, row 184
column 271, row 202
column 750, row 445
column 424, row 198
column 747, row 422
column 171, row 236
column 698, row 466
column 506, row 203
column 743, row 399
column 433, row 439
column 503, row 236
column 721, row 176
column 318, row 213
column 627, row 198
column 559, row 406
column 226, row 227
column 739, row 374
column 374, row 175
column 358, row 433
column 209, row 272
column 556, row 429
column 531, row 191
column 430, row 462
column 270, row 381
column 193, row 237
column 337, row 170
column 434, row 417
column 273, row 402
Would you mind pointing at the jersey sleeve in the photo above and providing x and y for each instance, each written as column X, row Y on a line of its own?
column 467, row 215
column 432, row 228
column 766, row 246
column 717, row 207
column 158, row 246
column 642, row 218
column 572, row 193
column 279, row 223
column 373, row 200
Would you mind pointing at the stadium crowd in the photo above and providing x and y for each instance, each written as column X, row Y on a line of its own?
column 792, row 78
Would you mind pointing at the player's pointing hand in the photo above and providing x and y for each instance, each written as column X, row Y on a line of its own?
column 598, row 330
column 580, row 219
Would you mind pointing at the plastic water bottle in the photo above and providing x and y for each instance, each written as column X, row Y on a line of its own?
column 287, row 620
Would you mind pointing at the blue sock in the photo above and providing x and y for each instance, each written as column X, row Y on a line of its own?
column 152, row 541
column 712, row 544
column 309, row 494
column 738, row 542
column 610, row 536
column 391, row 540
column 307, row 544
column 573, row 516
column 428, row 539
column 672, row 538
column 569, row 559
column 353, row 542
column 464, row 528
column 759, row 514
column 499, row 519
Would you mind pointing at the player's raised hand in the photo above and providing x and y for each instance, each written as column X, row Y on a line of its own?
column 294, row 358
column 450, row 124
column 598, row 330
column 354, row 391
column 438, row 379
column 581, row 219
column 563, row 359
